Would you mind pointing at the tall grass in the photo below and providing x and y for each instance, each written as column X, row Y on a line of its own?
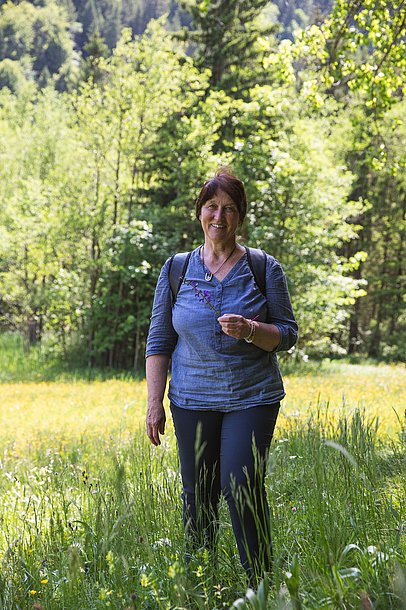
column 96, row 523
column 90, row 513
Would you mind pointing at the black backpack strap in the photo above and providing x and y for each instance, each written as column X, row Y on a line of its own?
column 257, row 262
column 176, row 271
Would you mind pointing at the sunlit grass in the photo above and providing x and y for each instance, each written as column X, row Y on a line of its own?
column 90, row 512
column 79, row 408
column 71, row 410
column 340, row 389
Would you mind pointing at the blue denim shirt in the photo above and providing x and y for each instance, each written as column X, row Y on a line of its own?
column 211, row 370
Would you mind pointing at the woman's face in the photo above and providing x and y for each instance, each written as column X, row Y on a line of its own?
column 219, row 217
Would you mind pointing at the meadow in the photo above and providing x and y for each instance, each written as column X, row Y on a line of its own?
column 90, row 511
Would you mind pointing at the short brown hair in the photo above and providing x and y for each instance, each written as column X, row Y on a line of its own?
column 223, row 180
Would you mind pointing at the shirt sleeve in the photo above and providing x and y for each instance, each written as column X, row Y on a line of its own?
column 162, row 337
column 280, row 312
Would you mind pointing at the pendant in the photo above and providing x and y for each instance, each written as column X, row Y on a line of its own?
column 208, row 277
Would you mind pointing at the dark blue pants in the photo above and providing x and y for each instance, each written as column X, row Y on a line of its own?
column 226, row 452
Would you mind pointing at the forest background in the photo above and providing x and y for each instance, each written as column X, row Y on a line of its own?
column 113, row 113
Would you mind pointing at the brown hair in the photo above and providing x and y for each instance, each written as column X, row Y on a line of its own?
column 223, row 180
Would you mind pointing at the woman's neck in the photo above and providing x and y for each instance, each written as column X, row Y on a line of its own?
column 219, row 250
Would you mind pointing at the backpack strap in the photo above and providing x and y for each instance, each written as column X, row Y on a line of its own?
column 176, row 272
column 179, row 262
column 257, row 262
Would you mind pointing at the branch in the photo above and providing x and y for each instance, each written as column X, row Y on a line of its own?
column 398, row 31
column 351, row 11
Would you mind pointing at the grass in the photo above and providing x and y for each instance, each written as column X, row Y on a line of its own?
column 78, row 408
column 340, row 388
column 47, row 362
column 90, row 512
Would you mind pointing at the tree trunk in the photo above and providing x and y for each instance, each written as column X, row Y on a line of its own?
column 32, row 330
column 400, row 288
column 118, row 166
column 353, row 331
column 137, row 348
column 375, row 345
column 94, row 274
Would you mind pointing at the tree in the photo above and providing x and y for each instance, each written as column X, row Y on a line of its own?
column 377, row 325
column 94, row 51
column 108, row 18
column 40, row 38
column 12, row 75
column 97, row 186
column 120, row 121
column 360, row 48
column 358, row 57
column 299, row 209
column 296, row 15
column 224, row 35
column 40, row 170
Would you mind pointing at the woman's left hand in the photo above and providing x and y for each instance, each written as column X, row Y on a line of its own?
column 234, row 325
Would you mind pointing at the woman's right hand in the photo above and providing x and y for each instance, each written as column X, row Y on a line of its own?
column 155, row 422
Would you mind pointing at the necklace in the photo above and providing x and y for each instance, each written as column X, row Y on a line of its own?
column 209, row 275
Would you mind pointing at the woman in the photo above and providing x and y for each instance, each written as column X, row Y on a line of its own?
column 222, row 334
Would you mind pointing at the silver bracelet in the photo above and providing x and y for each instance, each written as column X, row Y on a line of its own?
column 251, row 335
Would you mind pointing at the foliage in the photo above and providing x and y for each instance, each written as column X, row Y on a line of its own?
column 97, row 184
column 360, row 47
column 367, row 49
column 94, row 50
column 36, row 169
column 300, row 209
column 12, row 75
column 296, row 15
column 39, row 37
column 120, row 122
column 376, row 154
column 108, row 18
column 357, row 56
column 225, row 35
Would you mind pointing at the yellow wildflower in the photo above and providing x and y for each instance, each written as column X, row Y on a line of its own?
column 102, row 594
column 110, row 561
column 144, row 580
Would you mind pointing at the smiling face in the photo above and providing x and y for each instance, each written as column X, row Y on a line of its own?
column 219, row 217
